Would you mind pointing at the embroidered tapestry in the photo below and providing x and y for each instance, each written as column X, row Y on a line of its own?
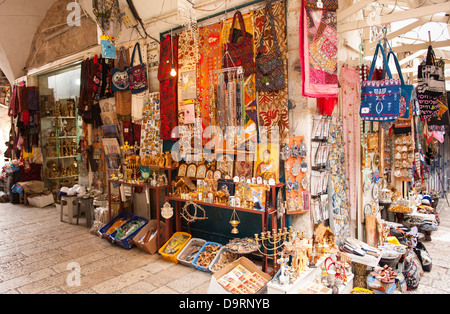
column 273, row 106
column 210, row 56
column 318, row 52
column 168, row 86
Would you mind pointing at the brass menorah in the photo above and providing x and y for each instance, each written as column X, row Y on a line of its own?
column 273, row 241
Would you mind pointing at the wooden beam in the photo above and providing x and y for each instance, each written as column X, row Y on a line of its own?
column 409, row 27
column 395, row 17
column 342, row 14
column 416, row 47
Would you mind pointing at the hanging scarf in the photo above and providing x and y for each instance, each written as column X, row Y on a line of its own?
column 318, row 52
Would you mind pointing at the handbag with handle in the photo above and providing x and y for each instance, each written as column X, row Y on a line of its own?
column 137, row 74
column 430, row 76
column 120, row 80
column 408, row 91
column 241, row 53
column 270, row 69
column 380, row 100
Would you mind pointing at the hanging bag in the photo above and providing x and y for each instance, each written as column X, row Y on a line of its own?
column 322, row 4
column 241, row 53
column 430, row 77
column 407, row 91
column 120, row 80
column 380, row 100
column 270, row 69
column 137, row 75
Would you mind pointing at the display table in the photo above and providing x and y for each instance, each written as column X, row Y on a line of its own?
column 307, row 278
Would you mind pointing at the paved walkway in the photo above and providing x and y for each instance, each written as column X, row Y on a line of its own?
column 36, row 250
column 438, row 280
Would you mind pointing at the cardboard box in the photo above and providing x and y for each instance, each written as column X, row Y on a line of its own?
column 41, row 201
column 216, row 288
column 151, row 246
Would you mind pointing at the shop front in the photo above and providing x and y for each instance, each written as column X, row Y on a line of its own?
column 252, row 143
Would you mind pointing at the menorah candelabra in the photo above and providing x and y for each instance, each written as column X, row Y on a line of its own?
column 273, row 242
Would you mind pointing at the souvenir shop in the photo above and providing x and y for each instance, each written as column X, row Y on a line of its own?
column 214, row 148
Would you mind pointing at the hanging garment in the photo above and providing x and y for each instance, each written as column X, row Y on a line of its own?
column 318, row 52
column 350, row 88
column 210, row 56
column 168, row 86
column 326, row 105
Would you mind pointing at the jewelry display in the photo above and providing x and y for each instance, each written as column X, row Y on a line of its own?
column 296, row 172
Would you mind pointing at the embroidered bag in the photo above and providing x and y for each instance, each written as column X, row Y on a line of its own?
column 137, row 75
column 380, row 100
column 322, row 4
column 270, row 74
column 430, row 76
column 120, row 75
column 408, row 91
column 428, row 105
column 241, row 53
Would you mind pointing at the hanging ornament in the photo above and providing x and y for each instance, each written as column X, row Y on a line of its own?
column 234, row 222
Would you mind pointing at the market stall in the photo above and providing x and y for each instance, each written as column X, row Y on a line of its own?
column 190, row 146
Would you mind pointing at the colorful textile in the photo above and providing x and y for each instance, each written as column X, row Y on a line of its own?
column 349, row 80
column 339, row 201
column 210, row 56
column 168, row 87
column 318, row 52
column 273, row 106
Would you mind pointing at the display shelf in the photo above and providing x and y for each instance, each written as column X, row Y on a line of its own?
column 66, row 131
column 269, row 212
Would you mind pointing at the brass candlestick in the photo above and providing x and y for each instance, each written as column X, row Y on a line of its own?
column 273, row 242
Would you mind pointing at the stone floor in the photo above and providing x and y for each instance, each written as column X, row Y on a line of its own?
column 438, row 280
column 37, row 252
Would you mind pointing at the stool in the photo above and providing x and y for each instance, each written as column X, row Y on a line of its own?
column 86, row 204
column 71, row 203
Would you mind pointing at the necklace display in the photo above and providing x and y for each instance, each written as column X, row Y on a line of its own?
column 340, row 205
column 294, row 153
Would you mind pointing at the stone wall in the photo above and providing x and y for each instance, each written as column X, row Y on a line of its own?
column 54, row 39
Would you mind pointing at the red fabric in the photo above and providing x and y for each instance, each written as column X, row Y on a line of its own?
column 168, row 87
column 326, row 105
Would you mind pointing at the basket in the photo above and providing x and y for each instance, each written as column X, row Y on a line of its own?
column 182, row 256
column 203, row 249
column 128, row 243
column 103, row 231
column 391, row 261
column 173, row 257
column 222, row 250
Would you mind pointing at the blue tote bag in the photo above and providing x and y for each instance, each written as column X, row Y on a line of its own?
column 407, row 90
column 380, row 100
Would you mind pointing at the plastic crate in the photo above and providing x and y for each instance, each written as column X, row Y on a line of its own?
column 217, row 258
column 204, row 268
column 128, row 243
column 126, row 216
column 173, row 257
column 182, row 258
